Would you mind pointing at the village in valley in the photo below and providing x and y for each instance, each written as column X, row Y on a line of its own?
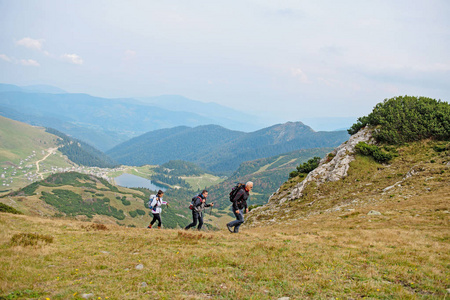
column 32, row 168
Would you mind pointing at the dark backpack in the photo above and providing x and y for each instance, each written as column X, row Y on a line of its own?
column 235, row 190
column 191, row 206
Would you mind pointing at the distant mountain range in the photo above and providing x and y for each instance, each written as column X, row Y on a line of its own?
column 38, row 88
column 220, row 150
column 104, row 122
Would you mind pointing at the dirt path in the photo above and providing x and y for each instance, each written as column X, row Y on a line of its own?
column 50, row 152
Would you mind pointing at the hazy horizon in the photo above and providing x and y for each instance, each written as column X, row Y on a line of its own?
column 290, row 60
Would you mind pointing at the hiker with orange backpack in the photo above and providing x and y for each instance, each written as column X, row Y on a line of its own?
column 155, row 206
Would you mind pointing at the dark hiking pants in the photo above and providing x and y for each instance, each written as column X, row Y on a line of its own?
column 196, row 216
column 156, row 217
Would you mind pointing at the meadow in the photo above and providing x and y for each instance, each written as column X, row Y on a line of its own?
column 401, row 254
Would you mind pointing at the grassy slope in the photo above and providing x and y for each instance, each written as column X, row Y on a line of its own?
column 311, row 252
column 18, row 140
column 17, row 143
column 396, row 256
column 366, row 182
column 33, row 205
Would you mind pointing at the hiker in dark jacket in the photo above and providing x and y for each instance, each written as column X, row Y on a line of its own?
column 239, row 207
column 197, row 210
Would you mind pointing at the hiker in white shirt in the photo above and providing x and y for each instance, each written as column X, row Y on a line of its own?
column 156, row 209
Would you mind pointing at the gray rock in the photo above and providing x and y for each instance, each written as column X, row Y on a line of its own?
column 284, row 298
column 139, row 267
column 374, row 213
column 144, row 284
column 334, row 170
column 87, row 296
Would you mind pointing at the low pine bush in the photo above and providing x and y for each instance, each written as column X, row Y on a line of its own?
column 406, row 119
column 373, row 151
column 30, row 239
column 306, row 167
column 8, row 209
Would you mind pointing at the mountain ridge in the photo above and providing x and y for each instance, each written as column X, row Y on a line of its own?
column 229, row 148
column 105, row 122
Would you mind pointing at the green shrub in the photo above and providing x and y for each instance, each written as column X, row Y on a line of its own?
column 72, row 204
column 441, row 148
column 306, row 167
column 373, row 151
column 405, row 119
column 253, row 207
column 8, row 209
column 133, row 214
column 126, row 202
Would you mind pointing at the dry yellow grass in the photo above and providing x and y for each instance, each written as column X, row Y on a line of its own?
column 403, row 254
column 310, row 252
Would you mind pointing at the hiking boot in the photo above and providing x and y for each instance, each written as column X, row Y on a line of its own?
column 149, row 226
column 230, row 228
column 159, row 227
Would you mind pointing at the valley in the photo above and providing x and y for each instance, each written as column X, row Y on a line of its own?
column 370, row 220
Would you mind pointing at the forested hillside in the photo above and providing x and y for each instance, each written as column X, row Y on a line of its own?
column 220, row 150
column 267, row 174
column 179, row 168
column 81, row 153
column 179, row 143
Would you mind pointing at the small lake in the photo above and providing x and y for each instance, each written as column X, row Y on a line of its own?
column 133, row 181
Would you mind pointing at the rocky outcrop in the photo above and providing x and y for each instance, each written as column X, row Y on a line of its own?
column 328, row 170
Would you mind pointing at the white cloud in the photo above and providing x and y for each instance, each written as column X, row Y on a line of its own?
column 72, row 58
column 297, row 72
column 31, row 43
column 5, row 58
column 29, row 63
column 23, row 62
column 130, row 54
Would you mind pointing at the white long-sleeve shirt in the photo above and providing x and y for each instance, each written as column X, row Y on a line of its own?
column 156, row 204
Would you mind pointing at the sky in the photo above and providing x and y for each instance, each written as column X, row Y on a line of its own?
column 290, row 60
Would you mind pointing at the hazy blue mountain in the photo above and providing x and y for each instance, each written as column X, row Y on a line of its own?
column 104, row 122
column 330, row 123
column 43, row 88
column 38, row 88
column 9, row 88
column 222, row 115
column 220, row 150
column 88, row 118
